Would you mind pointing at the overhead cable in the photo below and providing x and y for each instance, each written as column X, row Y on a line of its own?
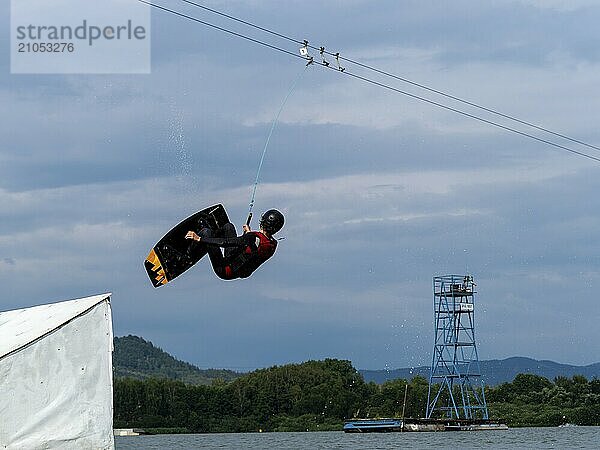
column 216, row 27
column 339, row 57
column 339, row 69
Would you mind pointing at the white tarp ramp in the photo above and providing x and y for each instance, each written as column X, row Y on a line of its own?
column 56, row 376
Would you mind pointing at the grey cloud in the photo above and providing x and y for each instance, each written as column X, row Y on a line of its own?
column 95, row 169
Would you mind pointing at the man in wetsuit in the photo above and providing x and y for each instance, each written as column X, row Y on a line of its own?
column 242, row 254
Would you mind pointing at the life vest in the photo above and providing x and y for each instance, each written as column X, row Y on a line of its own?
column 252, row 256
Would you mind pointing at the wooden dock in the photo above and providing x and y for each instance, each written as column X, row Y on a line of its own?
column 128, row 432
column 384, row 425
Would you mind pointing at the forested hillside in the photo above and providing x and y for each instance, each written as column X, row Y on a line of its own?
column 319, row 395
column 155, row 391
column 137, row 358
column 313, row 395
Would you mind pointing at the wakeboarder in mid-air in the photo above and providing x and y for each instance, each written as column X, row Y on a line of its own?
column 241, row 255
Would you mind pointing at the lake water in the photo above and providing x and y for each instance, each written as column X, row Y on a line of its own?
column 514, row 438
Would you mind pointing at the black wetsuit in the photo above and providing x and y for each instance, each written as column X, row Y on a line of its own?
column 242, row 254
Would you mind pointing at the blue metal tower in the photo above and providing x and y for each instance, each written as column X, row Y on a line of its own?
column 455, row 389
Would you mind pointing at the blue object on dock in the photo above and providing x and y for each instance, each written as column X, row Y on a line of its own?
column 372, row 425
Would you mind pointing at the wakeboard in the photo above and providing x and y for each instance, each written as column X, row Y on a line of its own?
column 169, row 258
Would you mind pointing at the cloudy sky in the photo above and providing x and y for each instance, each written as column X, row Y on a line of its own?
column 381, row 192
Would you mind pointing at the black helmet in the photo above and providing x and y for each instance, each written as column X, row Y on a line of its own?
column 271, row 221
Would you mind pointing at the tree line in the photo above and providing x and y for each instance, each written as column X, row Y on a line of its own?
column 319, row 395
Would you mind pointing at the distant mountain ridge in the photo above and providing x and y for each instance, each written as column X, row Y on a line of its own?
column 134, row 357
column 137, row 358
column 496, row 371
